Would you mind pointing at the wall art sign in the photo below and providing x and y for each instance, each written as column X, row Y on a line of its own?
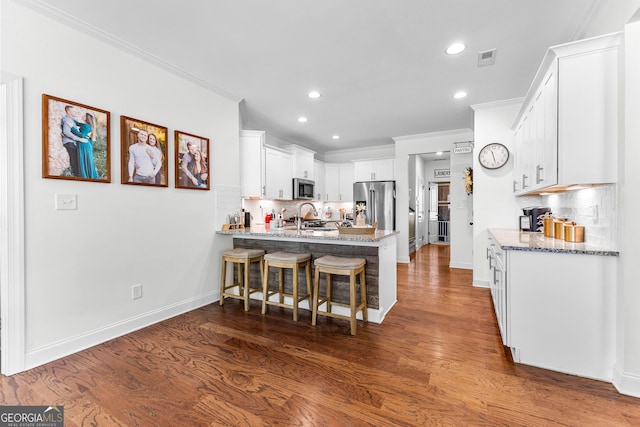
column 442, row 173
column 75, row 141
column 143, row 153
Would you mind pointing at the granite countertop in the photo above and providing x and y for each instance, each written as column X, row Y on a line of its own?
column 516, row 240
column 263, row 231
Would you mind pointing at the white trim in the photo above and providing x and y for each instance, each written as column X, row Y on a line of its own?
column 63, row 348
column 464, row 265
column 626, row 383
column 65, row 18
column 12, row 271
column 481, row 283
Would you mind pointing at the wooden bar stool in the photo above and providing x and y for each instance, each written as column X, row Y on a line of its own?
column 351, row 267
column 284, row 260
column 242, row 258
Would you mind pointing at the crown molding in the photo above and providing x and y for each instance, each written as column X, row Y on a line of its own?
column 64, row 18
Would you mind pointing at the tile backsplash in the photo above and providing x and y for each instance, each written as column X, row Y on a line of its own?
column 595, row 208
column 326, row 210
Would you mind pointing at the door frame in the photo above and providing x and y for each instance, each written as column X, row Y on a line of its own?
column 12, row 243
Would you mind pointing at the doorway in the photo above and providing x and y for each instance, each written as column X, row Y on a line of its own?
column 439, row 212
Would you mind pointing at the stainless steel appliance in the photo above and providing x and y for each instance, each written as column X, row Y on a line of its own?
column 379, row 199
column 303, row 189
column 532, row 218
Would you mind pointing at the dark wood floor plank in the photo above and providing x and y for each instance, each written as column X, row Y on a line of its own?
column 437, row 359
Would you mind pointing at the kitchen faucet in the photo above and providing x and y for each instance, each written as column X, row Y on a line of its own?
column 315, row 213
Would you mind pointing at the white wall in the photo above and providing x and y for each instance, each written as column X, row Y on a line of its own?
column 342, row 156
column 627, row 369
column 82, row 264
column 494, row 203
column 461, row 244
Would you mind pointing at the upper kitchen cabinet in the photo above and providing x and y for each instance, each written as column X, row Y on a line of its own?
column 339, row 181
column 319, row 178
column 566, row 132
column 373, row 170
column 252, row 163
column 278, row 174
column 265, row 171
column 303, row 166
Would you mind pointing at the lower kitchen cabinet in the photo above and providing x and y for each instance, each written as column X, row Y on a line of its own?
column 556, row 310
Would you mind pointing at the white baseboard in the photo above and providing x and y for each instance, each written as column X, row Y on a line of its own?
column 465, row 265
column 374, row 315
column 626, row 383
column 481, row 283
column 54, row 351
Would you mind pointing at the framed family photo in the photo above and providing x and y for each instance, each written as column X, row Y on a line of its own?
column 143, row 153
column 75, row 141
column 192, row 161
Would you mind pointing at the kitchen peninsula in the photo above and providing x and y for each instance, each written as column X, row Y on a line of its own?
column 378, row 249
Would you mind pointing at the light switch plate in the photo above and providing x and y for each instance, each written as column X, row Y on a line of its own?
column 66, row 202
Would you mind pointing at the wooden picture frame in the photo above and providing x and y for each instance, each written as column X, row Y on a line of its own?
column 192, row 161
column 143, row 153
column 75, row 141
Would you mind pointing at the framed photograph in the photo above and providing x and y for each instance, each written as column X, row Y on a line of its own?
column 143, row 153
column 192, row 161
column 75, row 141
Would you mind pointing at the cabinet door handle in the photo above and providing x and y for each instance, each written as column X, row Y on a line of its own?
column 524, row 181
column 515, row 183
column 539, row 178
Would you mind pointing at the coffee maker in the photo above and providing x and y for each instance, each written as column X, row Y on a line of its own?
column 532, row 218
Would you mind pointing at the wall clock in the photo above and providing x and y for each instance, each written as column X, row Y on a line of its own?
column 493, row 156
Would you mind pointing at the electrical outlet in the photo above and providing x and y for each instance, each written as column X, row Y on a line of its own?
column 136, row 291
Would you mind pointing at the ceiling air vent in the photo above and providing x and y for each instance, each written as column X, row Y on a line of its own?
column 487, row 57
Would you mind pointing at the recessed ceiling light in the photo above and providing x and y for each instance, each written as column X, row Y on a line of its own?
column 459, row 95
column 335, row 137
column 314, row 94
column 302, row 119
column 455, row 49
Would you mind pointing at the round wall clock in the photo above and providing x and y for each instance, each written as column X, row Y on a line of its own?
column 493, row 156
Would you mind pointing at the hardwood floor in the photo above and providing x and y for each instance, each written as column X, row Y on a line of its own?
column 436, row 360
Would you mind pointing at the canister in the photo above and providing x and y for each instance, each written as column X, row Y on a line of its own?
column 558, row 228
column 573, row 233
column 547, row 226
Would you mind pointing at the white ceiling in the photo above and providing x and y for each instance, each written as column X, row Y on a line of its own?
column 380, row 65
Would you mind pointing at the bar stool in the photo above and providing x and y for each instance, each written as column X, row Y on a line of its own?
column 351, row 267
column 284, row 260
column 242, row 258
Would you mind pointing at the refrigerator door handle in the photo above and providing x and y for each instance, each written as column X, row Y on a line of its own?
column 372, row 218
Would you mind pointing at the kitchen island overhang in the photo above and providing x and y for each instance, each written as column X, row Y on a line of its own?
column 379, row 250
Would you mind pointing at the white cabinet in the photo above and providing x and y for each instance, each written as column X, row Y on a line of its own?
column 278, row 174
column 555, row 310
column 498, row 287
column 566, row 130
column 319, row 178
column 339, row 182
column 373, row 170
column 252, row 163
column 346, row 182
column 303, row 166
column 563, row 316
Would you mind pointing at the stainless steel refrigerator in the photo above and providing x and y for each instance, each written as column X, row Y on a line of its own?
column 379, row 198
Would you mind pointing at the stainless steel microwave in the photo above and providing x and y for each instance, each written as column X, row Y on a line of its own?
column 303, row 189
